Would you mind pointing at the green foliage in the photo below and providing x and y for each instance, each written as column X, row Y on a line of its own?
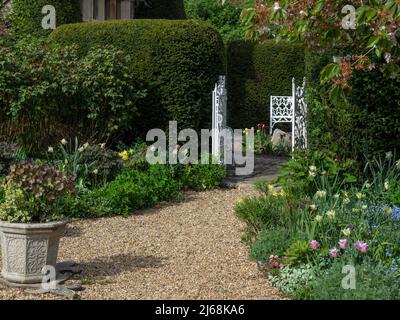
column 91, row 164
column 300, row 173
column 273, row 241
column 177, row 61
column 256, row 72
column 299, row 252
column 26, row 17
column 261, row 212
column 295, row 281
column 373, row 282
column 50, row 92
column 160, row 9
column 200, row 176
column 9, row 153
column 135, row 157
column 33, row 192
column 224, row 17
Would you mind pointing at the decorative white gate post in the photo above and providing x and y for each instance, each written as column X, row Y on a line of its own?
column 291, row 109
column 219, row 118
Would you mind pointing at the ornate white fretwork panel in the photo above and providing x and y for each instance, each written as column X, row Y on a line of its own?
column 219, row 116
column 291, row 109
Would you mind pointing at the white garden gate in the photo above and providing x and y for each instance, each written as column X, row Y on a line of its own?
column 291, row 109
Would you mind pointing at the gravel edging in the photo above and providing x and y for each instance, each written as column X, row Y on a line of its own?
column 186, row 250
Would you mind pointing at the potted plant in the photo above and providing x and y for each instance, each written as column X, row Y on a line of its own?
column 31, row 223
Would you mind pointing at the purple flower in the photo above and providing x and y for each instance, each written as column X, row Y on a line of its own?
column 333, row 252
column 314, row 244
column 342, row 244
column 361, row 246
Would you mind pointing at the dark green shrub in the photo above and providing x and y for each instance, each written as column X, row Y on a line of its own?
column 160, row 9
column 373, row 282
column 269, row 242
column 49, row 93
column 256, row 72
column 26, row 18
column 178, row 61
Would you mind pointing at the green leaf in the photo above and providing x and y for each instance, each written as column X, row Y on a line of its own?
column 329, row 72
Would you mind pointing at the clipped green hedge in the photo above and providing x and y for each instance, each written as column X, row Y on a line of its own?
column 160, row 9
column 257, row 71
column 178, row 61
column 27, row 16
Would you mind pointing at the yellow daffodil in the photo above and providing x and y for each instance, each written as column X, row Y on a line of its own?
column 124, row 155
column 331, row 214
column 346, row 232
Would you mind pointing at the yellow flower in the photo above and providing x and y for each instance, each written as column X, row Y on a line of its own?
column 313, row 207
column 282, row 193
column 275, row 194
column 346, row 232
column 364, row 207
column 50, row 150
column 95, row 171
column 321, row 194
column 318, row 218
column 386, row 185
column 346, row 200
column 270, row 187
column 388, row 210
column 124, row 155
column 239, row 201
column 63, row 142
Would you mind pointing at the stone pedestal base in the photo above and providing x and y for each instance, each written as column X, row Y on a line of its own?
column 65, row 271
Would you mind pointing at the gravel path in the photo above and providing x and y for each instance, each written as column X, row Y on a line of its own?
column 187, row 250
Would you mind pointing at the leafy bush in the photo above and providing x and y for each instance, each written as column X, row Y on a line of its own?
column 273, row 241
column 200, row 176
column 26, row 18
column 33, row 193
column 225, row 17
column 131, row 190
column 9, row 153
column 256, row 72
column 300, row 173
column 50, row 92
column 177, row 61
column 160, row 9
column 372, row 282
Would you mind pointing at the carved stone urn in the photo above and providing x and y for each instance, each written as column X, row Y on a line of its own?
column 27, row 248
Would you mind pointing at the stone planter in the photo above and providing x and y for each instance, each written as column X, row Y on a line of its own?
column 26, row 248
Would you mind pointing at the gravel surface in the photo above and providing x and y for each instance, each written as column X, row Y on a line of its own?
column 186, row 250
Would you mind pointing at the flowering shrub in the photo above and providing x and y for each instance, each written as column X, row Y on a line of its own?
column 33, row 192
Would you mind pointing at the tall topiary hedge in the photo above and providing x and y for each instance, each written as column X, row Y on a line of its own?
column 26, row 17
column 257, row 71
column 160, row 9
column 177, row 61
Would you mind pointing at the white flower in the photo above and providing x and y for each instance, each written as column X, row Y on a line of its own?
column 386, row 185
column 95, row 171
column 50, row 150
column 312, row 174
column 318, row 218
column 360, row 195
column 102, row 145
column 336, row 196
column 346, row 200
column 81, row 149
column 321, row 194
column 364, row 207
column 63, row 142
column 389, row 155
column 331, row 214
column 312, row 168
column 276, row 6
column 313, row 207
column 367, row 185
column 86, row 145
column 398, row 164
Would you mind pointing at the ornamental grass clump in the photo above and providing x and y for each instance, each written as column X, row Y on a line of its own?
column 34, row 192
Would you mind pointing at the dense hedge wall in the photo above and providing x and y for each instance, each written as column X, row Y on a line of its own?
column 27, row 16
column 257, row 71
column 178, row 61
column 161, row 9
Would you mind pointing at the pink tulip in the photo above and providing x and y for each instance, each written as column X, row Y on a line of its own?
column 276, row 257
column 333, row 252
column 342, row 244
column 271, row 257
column 361, row 246
column 314, row 245
column 281, row 265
